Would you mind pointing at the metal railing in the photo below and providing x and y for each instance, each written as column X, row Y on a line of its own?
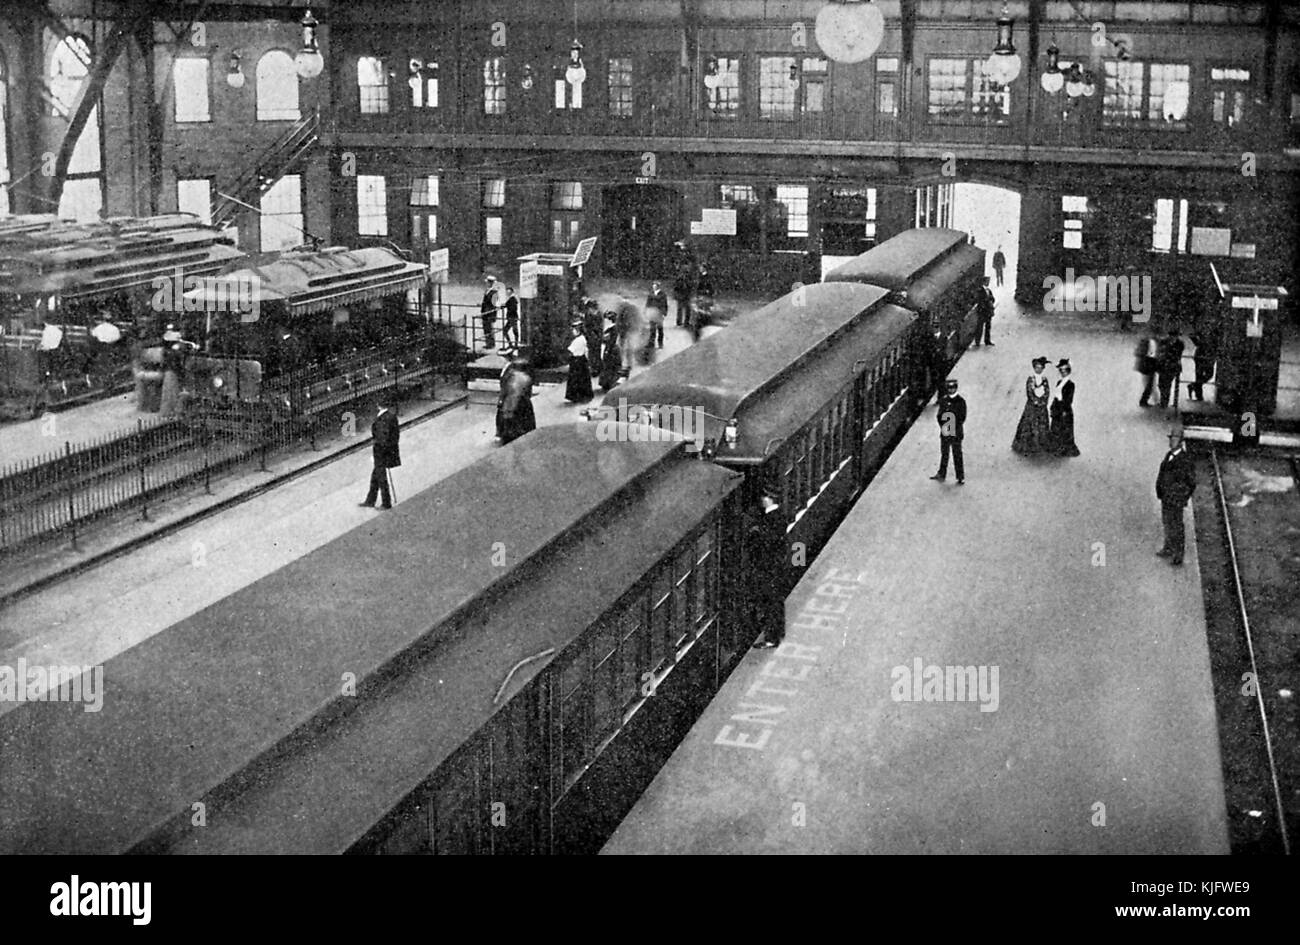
column 55, row 496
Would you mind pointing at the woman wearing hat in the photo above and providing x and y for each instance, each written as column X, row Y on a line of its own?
column 1062, row 412
column 515, row 415
column 1032, row 433
column 578, row 389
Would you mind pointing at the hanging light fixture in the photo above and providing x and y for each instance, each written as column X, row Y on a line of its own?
column 1074, row 81
column 1089, row 84
column 792, row 80
column 234, row 74
column 1004, row 64
column 576, row 72
column 309, row 61
column 526, row 79
column 1053, row 80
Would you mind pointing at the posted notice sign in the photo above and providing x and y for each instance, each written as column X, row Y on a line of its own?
column 583, row 252
column 439, row 265
column 528, row 279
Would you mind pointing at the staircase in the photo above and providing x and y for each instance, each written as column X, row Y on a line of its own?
column 270, row 166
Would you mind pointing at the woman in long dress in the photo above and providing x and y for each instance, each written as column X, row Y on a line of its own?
column 515, row 415
column 1032, row 433
column 1062, row 412
column 578, row 389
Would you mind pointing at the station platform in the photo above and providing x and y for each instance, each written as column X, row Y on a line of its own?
column 1095, row 728
column 46, row 436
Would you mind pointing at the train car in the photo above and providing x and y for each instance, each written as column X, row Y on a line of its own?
column 804, row 396
column 498, row 665
column 935, row 272
column 307, row 331
column 73, row 298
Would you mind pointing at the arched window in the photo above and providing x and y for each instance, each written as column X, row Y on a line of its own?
column 83, row 190
column 277, row 87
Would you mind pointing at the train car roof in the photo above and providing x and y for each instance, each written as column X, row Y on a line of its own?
column 324, row 799
column 925, row 290
column 899, row 260
column 748, row 369
column 314, row 281
column 230, row 687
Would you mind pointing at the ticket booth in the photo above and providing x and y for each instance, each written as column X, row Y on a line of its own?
column 550, row 288
column 1250, row 346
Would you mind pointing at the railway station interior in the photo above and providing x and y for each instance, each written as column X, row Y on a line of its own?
column 649, row 427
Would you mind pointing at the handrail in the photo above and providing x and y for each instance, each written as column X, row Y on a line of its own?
column 269, row 166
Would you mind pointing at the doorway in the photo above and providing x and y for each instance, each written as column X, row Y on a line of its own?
column 641, row 223
column 992, row 215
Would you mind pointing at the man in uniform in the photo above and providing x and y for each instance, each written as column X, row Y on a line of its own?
column 765, row 539
column 385, row 433
column 952, row 420
column 1175, row 484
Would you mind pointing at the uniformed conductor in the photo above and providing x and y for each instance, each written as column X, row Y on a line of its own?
column 952, row 421
column 385, row 433
column 1175, row 484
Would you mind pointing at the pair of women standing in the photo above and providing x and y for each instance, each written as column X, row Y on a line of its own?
column 1047, row 422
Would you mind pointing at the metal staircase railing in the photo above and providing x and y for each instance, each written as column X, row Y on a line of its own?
column 270, row 166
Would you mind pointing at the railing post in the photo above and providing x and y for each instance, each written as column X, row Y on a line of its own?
column 207, row 463
column 72, row 505
column 144, row 506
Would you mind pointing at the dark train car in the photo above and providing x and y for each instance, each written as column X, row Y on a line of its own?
column 307, row 331
column 935, row 272
column 99, row 287
column 498, row 665
column 805, row 396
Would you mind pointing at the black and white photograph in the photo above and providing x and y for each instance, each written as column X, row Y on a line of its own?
column 574, row 427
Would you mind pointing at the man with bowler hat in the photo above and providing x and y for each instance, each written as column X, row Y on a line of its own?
column 1175, row 484
column 385, row 434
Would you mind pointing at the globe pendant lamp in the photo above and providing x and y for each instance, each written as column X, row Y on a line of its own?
column 576, row 73
column 1089, row 84
column 309, row 61
column 1004, row 64
column 850, row 32
column 1074, row 81
column 1052, row 79
column 234, row 74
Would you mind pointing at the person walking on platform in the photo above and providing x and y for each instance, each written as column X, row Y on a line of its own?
column 1169, row 364
column 1032, row 432
column 1062, row 412
column 684, row 283
column 1203, row 357
column 385, row 433
column 510, row 333
column 1144, row 362
column 592, row 324
column 952, row 428
column 984, row 314
column 515, row 415
column 1175, row 484
column 631, row 334
column 488, row 313
column 766, row 548
column 656, row 311
column 578, row 389
column 611, row 354
column 999, row 263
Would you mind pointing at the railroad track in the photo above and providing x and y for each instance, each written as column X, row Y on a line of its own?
column 1270, row 802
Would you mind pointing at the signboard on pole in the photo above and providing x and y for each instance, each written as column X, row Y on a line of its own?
column 583, row 252
column 528, row 279
column 718, row 222
column 546, row 269
column 439, row 265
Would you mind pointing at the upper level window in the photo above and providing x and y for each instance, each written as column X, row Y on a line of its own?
column 958, row 88
column 424, row 190
column 69, row 68
column 795, row 201
column 887, row 86
column 1170, row 85
column 1157, row 93
column 620, row 87
column 722, row 87
column 812, row 85
column 566, row 195
column 277, row 87
column 1230, row 89
column 190, row 86
column 494, row 86
column 778, row 84
column 372, row 205
column 494, row 193
column 423, row 82
column 372, row 85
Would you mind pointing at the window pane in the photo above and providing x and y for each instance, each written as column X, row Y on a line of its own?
column 1122, row 99
column 566, row 195
column 372, row 85
column 620, row 87
column 947, row 87
column 722, row 87
column 494, row 193
column 195, row 196
column 424, row 190
column 422, row 80
column 494, row 86
column 778, row 80
column 1169, row 93
column 190, row 85
column 81, row 200
column 372, row 205
column 281, row 219
column 492, row 231
column 795, row 201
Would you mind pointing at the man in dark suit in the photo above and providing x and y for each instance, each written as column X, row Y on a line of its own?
column 984, row 314
column 1175, row 484
column 385, row 434
column 1169, row 364
column 952, row 421
column 767, row 548
column 656, row 310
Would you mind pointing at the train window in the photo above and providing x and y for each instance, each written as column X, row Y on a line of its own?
column 683, row 577
column 660, row 626
column 631, row 628
column 608, row 707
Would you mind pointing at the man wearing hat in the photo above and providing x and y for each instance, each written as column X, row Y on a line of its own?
column 488, row 312
column 766, row 547
column 952, row 420
column 1061, row 434
column 1175, row 484
column 984, row 314
column 385, row 433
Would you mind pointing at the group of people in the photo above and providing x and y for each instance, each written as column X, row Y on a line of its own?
column 1047, row 422
column 603, row 346
column 1160, row 362
column 500, row 300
